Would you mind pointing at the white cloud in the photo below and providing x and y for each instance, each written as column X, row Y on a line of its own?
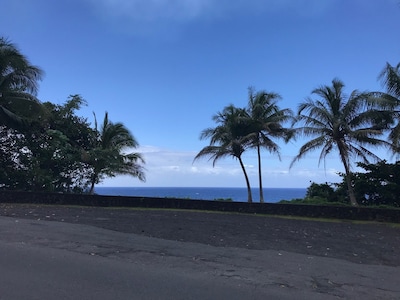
column 145, row 16
column 151, row 10
column 194, row 169
column 167, row 167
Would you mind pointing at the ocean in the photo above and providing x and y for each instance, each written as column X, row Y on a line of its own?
column 271, row 195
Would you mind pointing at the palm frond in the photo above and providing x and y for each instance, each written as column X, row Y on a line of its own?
column 16, row 72
column 348, row 124
column 214, row 153
column 309, row 147
column 18, row 86
column 390, row 78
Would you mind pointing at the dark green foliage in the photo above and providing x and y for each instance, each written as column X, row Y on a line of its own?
column 47, row 155
column 379, row 184
column 62, row 153
column 12, row 159
column 324, row 191
column 314, row 201
column 18, row 87
column 106, row 156
column 47, row 147
column 224, row 199
column 64, row 138
column 322, row 194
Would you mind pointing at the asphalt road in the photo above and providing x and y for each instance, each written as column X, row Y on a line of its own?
column 41, row 273
column 54, row 260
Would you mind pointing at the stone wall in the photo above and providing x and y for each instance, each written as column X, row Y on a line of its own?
column 313, row 211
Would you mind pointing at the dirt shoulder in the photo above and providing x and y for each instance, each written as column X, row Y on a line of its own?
column 364, row 243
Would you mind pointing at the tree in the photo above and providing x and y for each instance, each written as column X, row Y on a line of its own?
column 228, row 138
column 378, row 184
column 323, row 192
column 13, row 175
column 267, row 121
column 390, row 78
column 47, row 156
column 51, row 150
column 107, row 157
column 62, row 153
column 18, row 86
column 347, row 124
column 67, row 137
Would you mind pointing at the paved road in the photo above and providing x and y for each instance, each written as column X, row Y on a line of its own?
column 41, row 273
column 52, row 260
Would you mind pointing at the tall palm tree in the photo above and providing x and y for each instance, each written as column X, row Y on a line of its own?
column 346, row 124
column 267, row 121
column 390, row 78
column 18, row 85
column 107, row 157
column 228, row 138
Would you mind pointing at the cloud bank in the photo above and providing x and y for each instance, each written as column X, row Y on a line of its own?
column 169, row 168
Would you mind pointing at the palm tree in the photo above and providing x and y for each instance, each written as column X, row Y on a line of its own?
column 390, row 78
column 346, row 124
column 107, row 158
column 228, row 138
column 18, row 85
column 267, row 124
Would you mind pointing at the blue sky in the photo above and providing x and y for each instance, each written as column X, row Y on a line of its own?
column 164, row 67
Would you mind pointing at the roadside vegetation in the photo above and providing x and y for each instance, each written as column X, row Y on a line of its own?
column 48, row 147
column 377, row 186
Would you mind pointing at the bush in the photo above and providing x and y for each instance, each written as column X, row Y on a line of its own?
column 224, row 199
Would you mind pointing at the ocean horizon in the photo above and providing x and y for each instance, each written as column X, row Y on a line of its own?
column 271, row 195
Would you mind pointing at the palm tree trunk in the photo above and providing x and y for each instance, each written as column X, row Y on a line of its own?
column 249, row 196
column 92, row 184
column 350, row 190
column 91, row 191
column 259, row 175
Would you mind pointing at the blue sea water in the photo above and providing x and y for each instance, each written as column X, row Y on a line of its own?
column 271, row 195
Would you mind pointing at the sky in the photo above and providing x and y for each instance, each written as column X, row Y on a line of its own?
column 164, row 67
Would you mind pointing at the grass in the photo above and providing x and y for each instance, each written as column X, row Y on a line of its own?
column 288, row 217
column 322, row 201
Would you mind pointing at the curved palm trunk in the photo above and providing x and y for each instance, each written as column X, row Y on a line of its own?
column 92, row 184
column 352, row 196
column 249, row 196
column 91, row 191
column 350, row 190
column 259, row 175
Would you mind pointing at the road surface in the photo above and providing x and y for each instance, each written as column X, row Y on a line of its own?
column 55, row 260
